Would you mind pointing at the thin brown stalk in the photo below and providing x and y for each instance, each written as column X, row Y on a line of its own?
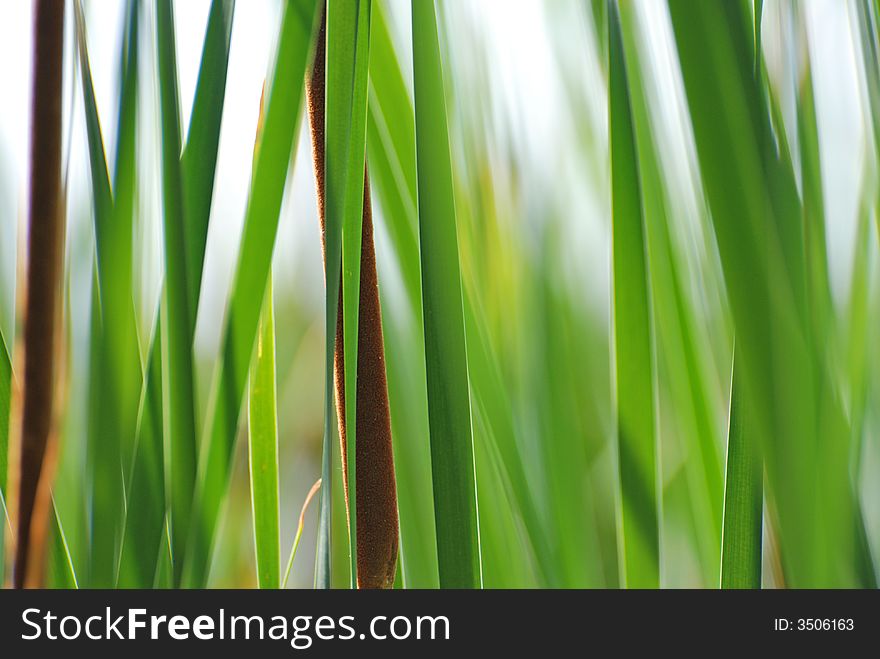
column 43, row 292
column 377, row 522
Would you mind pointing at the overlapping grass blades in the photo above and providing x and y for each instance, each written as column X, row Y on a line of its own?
column 452, row 449
column 115, row 374
column 756, row 215
column 143, row 531
column 677, row 329
column 634, row 359
column 284, row 96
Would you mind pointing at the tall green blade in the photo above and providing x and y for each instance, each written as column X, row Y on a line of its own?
column 199, row 160
column 743, row 501
column 263, row 451
column 177, row 300
column 348, row 50
column 449, row 407
column 255, row 258
column 637, row 447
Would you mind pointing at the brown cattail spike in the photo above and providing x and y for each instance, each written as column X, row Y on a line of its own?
column 377, row 522
column 43, row 292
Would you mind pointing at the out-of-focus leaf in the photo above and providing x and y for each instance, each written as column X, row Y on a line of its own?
column 634, row 359
column 792, row 404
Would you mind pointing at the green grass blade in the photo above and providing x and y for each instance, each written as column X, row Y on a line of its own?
column 348, row 46
column 179, row 316
column 741, row 541
column 452, row 449
column 263, row 451
column 199, row 160
column 637, row 446
column 255, row 258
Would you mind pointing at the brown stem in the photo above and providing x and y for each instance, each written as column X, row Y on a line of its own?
column 377, row 523
column 43, row 292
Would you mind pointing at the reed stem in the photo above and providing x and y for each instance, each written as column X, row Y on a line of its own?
column 376, row 496
column 43, row 293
